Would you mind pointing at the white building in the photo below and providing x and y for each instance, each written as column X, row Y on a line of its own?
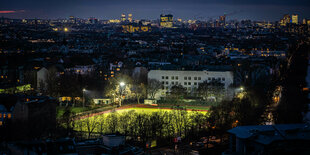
column 188, row 79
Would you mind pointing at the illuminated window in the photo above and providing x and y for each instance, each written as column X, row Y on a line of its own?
column 112, row 72
column 118, row 69
column 9, row 115
column 0, row 123
column 4, row 115
column 0, row 115
column 112, row 75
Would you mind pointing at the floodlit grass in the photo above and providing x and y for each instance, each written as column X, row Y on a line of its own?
column 140, row 119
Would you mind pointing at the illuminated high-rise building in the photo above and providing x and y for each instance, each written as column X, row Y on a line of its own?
column 72, row 19
column 295, row 19
column 285, row 20
column 130, row 17
column 123, row 17
column 222, row 20
column 166, row 21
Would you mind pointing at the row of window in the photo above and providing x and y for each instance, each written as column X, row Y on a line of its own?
column 186, row 83
column 188, row 88
column 190, row 78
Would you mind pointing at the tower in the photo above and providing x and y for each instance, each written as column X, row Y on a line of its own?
column 166, row 21
column 130, row 17
column 295, row 19
column 123, row 17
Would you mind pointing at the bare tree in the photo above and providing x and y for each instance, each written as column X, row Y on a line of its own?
column 139, row 91
column 153, row 87
column 91, row 123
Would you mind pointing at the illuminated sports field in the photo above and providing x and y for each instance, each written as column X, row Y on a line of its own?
column 128, row 115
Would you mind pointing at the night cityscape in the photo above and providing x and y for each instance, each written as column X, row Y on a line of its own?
column 154, row 77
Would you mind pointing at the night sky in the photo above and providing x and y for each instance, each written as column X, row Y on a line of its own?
column 268, row 10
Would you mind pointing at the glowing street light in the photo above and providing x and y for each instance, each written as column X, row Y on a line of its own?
column 84, row 97
column 241, row 88
column 121, row 89
column 66, row 29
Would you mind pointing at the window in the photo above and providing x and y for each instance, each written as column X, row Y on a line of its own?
column 213, row 78
column 185, row 78
column 167, row 88
column 172, row 83
column 162, row 77
column 163, row 82
column 195, row 78
column 219, row 79
column 167, row 82
column 172, row 77
column 185, row 83
column 177, row 78
column 176, row 82
column 167, row 77
column 195, row 83
column 209, row 78
column 189, row 78
column 223, row 79
column 189, row 83
column 199, row 78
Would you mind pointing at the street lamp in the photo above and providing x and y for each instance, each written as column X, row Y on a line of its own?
column 241, row 88
column 84, row 97
column 122, row 85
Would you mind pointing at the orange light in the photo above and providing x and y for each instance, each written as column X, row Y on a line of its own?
column 305, row 89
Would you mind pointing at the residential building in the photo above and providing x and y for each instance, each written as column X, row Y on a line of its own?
column 270, row 139
column 188, row 79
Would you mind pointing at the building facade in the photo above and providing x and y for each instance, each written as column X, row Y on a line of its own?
column 166, row 21
column 188, row 79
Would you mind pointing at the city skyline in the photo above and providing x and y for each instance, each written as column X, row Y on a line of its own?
column 197, row 9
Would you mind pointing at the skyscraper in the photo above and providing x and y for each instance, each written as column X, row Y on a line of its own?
column 130, row 17
column 295, row 19
column 123, row 17
column 166, row 21
column 285, row 20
